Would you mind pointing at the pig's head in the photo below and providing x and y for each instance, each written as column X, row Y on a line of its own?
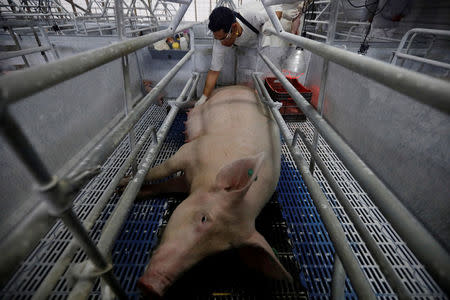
column 210, row 221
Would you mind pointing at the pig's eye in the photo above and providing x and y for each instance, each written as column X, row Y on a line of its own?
column 204, row 219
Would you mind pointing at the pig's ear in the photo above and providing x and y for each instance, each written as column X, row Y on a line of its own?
column 257, row 254
column 240, row 174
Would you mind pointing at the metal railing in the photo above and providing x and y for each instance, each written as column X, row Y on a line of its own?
column 58, row 192
column 425, row 89
column 415, row 32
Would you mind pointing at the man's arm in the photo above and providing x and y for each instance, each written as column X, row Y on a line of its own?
column 210, row 83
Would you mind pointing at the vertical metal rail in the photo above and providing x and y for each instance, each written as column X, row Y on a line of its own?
column 82, row 288
column 54, row 195
column 331, row 222
column 125, row 73
column 16, row 41
column 434, row 257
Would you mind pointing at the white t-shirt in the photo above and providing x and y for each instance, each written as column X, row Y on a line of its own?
column 248, row 38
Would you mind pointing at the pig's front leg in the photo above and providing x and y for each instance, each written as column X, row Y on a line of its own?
column 173, row 164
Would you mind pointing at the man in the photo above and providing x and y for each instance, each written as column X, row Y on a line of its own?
column 230, row 28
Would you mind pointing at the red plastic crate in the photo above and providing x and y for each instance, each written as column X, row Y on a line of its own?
column 279, row 93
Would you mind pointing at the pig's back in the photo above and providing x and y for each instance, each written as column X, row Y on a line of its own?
column 231, row 125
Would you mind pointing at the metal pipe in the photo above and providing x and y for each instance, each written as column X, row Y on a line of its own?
column 317, row 35
column 426, row 89
column 113, row 138
column 321, row 99
column 59, row 267
column 41, row 77
column 54, row 195
column 338, row 280
column 433, row 256
column 11, row 54
column 385, row 266
column 112, row 229
column 424, row 60
column 275, row 2
column 177, row 19
column 272, row 16
column 331, row 222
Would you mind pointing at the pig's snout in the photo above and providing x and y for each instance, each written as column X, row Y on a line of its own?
column 153, row 284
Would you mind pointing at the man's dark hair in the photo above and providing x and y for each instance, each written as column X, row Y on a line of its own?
column 221, row 18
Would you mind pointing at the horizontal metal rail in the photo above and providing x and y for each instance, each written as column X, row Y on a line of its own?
column 433, row 256
column 331, row 222
column 42, row 77
column 11, row 54
column 82, row 288
column 424, row 60
column 316, row 35
column 425, row 89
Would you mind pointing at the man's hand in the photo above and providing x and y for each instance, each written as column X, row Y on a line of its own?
column 201, row 100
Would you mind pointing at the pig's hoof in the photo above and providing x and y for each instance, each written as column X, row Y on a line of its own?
column 148, row 291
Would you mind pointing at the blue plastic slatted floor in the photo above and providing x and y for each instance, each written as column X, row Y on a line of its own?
column 311, row 244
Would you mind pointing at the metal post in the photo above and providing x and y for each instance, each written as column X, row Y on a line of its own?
column 434, row 257
column 112, row 229
column 54, row 195
column 331, row 222
column 334, row 10
column 323, row 83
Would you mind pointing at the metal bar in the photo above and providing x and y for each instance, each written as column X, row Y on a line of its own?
column 331, row 222
column 275, row 2
column 11, row 54
column 112, row 229
column 41, row 77
column 16, row 41
column 433, row 256
column 59, row 267
column 113, row 138
column 418, row 30
column 38, row 41
column 272, row 16
column 393, row 279
column 178, row 17
column 323, row 83
column 54, row 195
column 424, row 60
column 316, row 35
column 426, row 89
column 338, row 280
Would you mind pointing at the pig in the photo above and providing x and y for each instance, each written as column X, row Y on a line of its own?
column 230, row 167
